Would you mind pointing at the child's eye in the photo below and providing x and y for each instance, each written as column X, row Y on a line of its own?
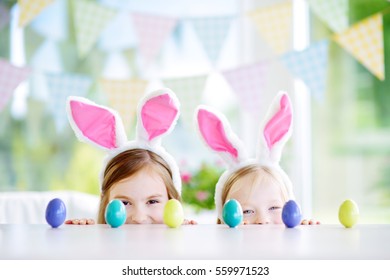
column 248, row 212
column 125, row 202
column 274, row 208
column 153, row 201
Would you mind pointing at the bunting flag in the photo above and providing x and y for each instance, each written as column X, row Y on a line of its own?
column 152, row 31
column 274, row 23
column 4, row 16
column 248, row 83
column 364, row 41
column 212, row 33
column 61, row 86
column 29, row 9
column 310, row 65
column 333, row 12
column 189, row 90
column 53, row 22
column 123, row 96
column 90, row 19
column 110, row 41
column 10, row 77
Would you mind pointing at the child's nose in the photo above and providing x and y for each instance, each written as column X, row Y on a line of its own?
column 138, row 217
column 262, row 219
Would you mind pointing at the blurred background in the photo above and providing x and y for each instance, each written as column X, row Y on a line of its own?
column 234, row 55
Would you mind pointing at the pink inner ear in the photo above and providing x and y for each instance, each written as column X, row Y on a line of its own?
column 280, row 123
column 158, row 114
column 95, row 123
column 213, row 132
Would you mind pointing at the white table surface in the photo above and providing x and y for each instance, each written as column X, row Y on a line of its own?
column 18, row 241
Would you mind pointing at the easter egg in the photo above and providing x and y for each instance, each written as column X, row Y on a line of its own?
column 291, row 214
column 348, row 213
column 173, row 213
column 232, row 213
column 55, row 212
column 115, row 213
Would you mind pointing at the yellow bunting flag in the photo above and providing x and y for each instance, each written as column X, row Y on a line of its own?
column 275, row 25
column 123, row 96
column 364, row 41
column 90, row 19
column 29, row 9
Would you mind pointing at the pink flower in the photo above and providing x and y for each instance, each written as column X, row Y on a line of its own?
column 186, row 177
column 202, row 195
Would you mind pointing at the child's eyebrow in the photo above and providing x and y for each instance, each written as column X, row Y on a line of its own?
column 275, row 202
column 122, row 197
column 154, row 196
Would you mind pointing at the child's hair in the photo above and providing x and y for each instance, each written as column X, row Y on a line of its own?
column 127, row 164
column 256, row 174
column 276, row 129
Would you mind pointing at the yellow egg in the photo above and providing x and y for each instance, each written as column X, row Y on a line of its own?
column 348, row 213
column 173, row 213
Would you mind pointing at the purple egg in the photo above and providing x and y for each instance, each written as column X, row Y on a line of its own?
column 55, row 212
column 291, row 214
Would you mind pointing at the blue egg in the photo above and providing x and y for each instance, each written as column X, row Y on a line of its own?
column 55, row 212
column 115, row 214
column 291, row 214
column 232, row 213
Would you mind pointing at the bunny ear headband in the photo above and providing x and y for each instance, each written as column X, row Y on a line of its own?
column 275, row 131
column 102, row 127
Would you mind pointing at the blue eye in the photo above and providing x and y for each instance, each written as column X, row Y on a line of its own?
column 248, row 212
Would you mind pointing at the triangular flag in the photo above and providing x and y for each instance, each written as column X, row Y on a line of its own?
column 53, row 22
column 4, row 16
column 275, row 25
column 189, row 91
column 152, row 31
column 123, row 96
column 364, row 41
column 310, row 65
column 248, row 83
column 333, row 12
column 212, row 33
column 29, row 9
column 61, row 86
column 90, row 19
column 10, row 77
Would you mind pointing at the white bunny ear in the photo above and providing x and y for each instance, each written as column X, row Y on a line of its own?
column 276, row 130
column 94, row 124
column 157, row 116
column 218, row 136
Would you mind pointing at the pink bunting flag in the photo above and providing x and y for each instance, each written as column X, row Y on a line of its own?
column 10, row 77
column 152, row 31
column 248, row 83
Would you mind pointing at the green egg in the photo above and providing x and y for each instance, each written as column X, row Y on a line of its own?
column 173, row 213
column 348, row 213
